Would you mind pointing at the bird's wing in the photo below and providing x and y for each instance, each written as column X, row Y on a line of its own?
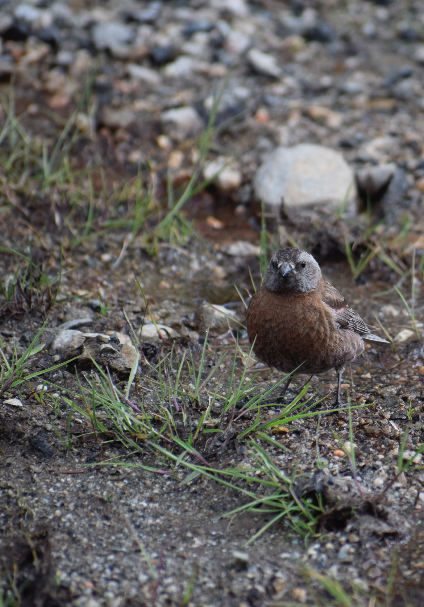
column 332, row 297
column 344, row 315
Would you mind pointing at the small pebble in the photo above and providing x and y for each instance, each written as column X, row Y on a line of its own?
column 408, row 454
column 299, row 594
column 403, row 336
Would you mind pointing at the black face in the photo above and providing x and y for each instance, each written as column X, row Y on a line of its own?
column 292, row 269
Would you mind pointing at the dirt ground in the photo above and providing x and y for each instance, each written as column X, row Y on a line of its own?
column 90, row 519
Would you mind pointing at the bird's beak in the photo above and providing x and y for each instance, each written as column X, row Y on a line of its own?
column 285, row 269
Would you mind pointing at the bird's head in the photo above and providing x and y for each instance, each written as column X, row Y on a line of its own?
column 292, row 270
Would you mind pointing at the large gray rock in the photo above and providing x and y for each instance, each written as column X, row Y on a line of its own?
column 303, row 175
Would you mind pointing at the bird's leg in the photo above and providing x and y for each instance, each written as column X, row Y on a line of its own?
column 285, row 387
column 339, row 385
column 280, row 398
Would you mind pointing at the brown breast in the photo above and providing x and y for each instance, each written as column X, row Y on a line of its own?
column 298, row 329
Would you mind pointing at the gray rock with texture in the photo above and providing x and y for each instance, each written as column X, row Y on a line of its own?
column 182, row 123
column 110, row 34
column 68, row 339
column 303, row 175
column 263, row 63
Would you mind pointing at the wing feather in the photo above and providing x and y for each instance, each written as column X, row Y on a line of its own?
column 345, row 316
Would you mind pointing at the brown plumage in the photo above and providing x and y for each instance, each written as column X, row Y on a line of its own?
column 297, row 320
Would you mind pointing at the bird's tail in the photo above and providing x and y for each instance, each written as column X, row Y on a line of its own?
column 373, row 337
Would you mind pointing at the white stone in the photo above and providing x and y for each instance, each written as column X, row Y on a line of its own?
column 389, row 310
column 263, row 63
column 182, row 123
column 349, row 447
column 229, row 174
column 237, row 42
column 408, row 454
column 403, row 336
column 183, row 66
column 68, row 339
column 419, row 53
column 237, row 7
column 150, row 333
column 14, row 402
column 145, row 74
column 123, row 338
column 107, row 35
column 27, row 13
column 303, row 175
column 243, row 248
column 378, row 147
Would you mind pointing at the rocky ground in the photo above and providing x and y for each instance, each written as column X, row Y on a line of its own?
column 108, row 111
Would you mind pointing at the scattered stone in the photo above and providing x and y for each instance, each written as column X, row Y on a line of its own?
column 349, row 447
column 419, row 54
column 237, row 42
column 240, row 559
column 303, row 175
column 236, row 7
column 150, row 333
column 228, row 174
column 345, row 554
column 182, row 123
column 107, row 348
column 110, row 35
column 76, row 323
column 300, row 594
column 328, row 117
column 68, row 339
column 183, row 66
column 145, row 74
column 129, row 354
column 407, row 455
column 352, row 88
column 27, row 13
column 263, row 63
column 377, row 148
column 243, row 248
column 404, row 336
column 216, row 318
column 389, row 310
column 123, row 338
column 119, row 118
column 14, row 402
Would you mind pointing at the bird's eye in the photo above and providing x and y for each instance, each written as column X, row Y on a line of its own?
column 303, row 264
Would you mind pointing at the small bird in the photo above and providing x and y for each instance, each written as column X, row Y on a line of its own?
column 297, row 321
